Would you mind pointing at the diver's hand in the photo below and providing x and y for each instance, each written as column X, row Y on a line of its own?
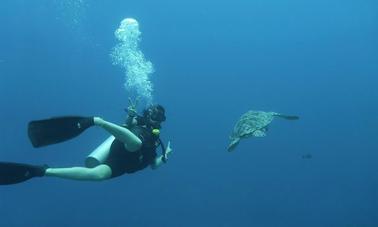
column 132, row 109
column 168, row 150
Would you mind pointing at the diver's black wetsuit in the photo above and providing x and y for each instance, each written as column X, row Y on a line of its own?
column 122, row 161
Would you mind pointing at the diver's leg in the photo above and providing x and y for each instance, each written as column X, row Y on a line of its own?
column 98, row 173
column 100, row 154
column 131, row 141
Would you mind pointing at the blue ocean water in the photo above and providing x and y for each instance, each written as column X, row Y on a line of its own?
column 213, row 60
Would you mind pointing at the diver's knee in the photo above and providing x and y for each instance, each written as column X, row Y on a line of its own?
column 101, row 172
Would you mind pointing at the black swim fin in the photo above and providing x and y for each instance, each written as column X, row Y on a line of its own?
column 58, row 129
column 13, row 173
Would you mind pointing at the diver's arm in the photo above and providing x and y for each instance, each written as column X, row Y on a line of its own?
column 161, row 159
column 131, row 141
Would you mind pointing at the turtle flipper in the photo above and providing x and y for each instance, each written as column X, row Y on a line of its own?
column 287, row 117
column 233, row 144
column 259, row 133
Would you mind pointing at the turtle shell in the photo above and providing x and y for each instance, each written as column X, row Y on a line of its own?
column 252, row 123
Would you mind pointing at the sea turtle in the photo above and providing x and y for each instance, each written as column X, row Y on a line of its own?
column 253, row 123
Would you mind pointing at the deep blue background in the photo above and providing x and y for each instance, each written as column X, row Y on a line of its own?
column 214, row 60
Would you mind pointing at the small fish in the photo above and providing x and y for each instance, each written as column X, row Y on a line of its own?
column 307, row 156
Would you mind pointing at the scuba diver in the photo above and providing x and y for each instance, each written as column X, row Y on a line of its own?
column 130, row 148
